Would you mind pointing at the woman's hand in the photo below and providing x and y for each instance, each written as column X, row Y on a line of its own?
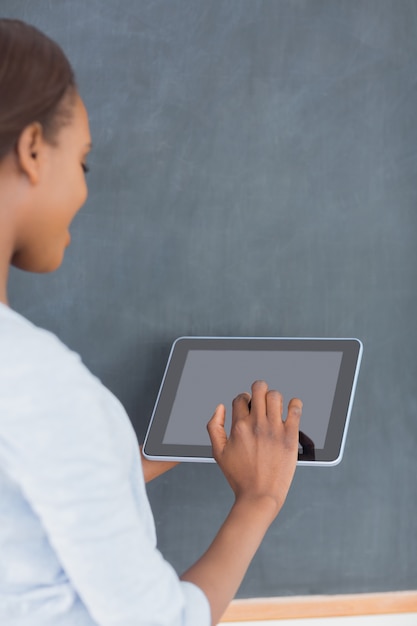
column 260, row 455
column 153, row 469
column 258, row 460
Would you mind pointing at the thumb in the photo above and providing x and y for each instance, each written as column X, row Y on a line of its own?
column 216, row 430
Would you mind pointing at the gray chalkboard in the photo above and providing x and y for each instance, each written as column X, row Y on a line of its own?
column 254, row 173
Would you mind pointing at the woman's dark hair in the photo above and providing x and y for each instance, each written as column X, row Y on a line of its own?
column 37, row 83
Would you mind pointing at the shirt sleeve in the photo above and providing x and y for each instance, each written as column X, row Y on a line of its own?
column 62, row 453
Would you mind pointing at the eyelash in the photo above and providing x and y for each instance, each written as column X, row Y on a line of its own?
column 85, row 167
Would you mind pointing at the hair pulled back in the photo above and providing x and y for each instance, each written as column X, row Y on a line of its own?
column 37, row 83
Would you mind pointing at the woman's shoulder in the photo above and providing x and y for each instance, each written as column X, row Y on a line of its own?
column 42, row 381
column 27, row 350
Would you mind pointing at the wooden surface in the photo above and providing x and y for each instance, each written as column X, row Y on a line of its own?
column 321, row 606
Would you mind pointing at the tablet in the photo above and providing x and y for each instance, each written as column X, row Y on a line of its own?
column 203, row 372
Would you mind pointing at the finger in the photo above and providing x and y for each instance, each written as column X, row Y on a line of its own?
column 258, row 405
column 274, row 405
column 216, row 430
column 295, row 408
column 240, row 406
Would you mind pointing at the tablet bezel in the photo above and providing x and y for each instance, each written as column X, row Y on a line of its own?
column 331, row 454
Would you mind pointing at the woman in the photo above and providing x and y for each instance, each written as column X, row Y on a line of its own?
column 77, row 539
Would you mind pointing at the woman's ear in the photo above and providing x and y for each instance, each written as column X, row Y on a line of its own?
column 29, row 150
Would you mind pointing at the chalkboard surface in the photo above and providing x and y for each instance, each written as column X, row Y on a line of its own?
column 254, row 173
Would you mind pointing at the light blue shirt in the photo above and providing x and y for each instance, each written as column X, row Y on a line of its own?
column 77, row 536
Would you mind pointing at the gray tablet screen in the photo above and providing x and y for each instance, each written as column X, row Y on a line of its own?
column 213, row 377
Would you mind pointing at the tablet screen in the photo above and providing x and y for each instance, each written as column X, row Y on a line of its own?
column 203, row 372
column 207, row 380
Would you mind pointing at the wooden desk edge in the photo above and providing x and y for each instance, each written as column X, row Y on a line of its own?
column 299, row 607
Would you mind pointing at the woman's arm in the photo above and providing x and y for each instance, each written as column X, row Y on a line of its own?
column 258, row 460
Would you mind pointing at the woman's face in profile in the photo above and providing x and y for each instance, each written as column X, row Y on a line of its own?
column 59, row 193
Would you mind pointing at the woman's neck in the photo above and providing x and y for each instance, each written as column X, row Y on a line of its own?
column 8, row 217
column 3, row 297
column 4, row 269
column 6, row 251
